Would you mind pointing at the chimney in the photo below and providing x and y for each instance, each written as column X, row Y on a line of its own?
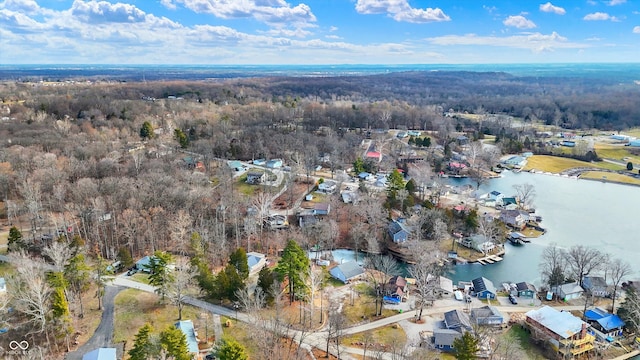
column 583, row 332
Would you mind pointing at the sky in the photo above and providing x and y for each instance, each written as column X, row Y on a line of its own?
column 308, row 32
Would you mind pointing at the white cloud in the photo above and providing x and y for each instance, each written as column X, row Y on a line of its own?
column 400, row 10
column 169, row 4
column 299, row 33
column 536, row 42
column 519, row 21
column 616, row 2
column 636, row 29
column 550, row 8
column 333, row 37
column 24, row 6
column 268, row 11
column 599, row 16
column 333, row 28
column 490, row 9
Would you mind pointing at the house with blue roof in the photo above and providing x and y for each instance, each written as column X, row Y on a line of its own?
column 101, row 354
column 256, row 261
column 274, row 163
column 187, row 328
column 610, row 325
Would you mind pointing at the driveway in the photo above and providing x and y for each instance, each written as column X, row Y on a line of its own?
column 104, row 333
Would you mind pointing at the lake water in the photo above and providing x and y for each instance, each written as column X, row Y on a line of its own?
column 590, row 213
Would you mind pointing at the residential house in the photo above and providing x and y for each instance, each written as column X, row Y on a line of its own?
column 143, row 264
column 260, row 162
column 399, row 231
column 634, row 143
column 515, row 161
column 487, row 315
column 366, row 176
column 276, row 222
column 495, row 195
column 483, row 288
column 187, row 328
column 236, row 165
column 274, row 164
column 307, row 219
column 596, row 285
column 454, row 325
column 565, row 333
column 462, row 140
column 569, row 291
column 396, row 287
column 511, row 203
column 256, row 261
column 568, row 143
column 479, row 243
column 374, row 155
column 349, row 197
column 443, row 286
column 321, row 208
column 414, row 133
column 516, row 219
column 526, row 290
column 609, row 325
column 255, row 177
column 347, row 271
column 327, row 187
column 100, row 354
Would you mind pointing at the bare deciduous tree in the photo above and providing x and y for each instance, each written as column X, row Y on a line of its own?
column 583, row 260
column 182, row 286
column 617, row 270
column 526, row 193
column 552, row 265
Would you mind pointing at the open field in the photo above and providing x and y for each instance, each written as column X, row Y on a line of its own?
column 606, row 176
column 363, row 308
column 240, row 332
column 616, row 152
column 554, row 164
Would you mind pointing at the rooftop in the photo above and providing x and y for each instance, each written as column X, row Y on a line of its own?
column 559, row 322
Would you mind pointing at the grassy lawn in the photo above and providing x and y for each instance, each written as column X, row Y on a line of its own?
column 140, row 277
column 391, row 334
column 518, row 335
column 363, row 308
column 244, row 188
column 134, row 308
column 620, row 178
column 463, row 252
column 614, row 152
column 240, row 332
column 557, row 165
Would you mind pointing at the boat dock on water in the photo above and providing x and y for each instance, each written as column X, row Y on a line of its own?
column 489, row 259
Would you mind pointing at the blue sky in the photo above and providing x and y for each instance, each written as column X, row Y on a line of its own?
column 318, row 31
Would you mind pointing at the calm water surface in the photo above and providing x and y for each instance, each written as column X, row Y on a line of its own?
column 592, row 213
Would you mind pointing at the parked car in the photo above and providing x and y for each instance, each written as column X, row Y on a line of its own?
column 513, row 300
column 132, row 271
column 467, row 298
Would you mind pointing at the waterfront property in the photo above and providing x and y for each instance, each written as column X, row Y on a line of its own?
column 483, row 288
column 256, row 262
column 569, row 291
column 596, row 285
column 347, row 271
column 526, row 290
column 399, row 231
column 565, row 333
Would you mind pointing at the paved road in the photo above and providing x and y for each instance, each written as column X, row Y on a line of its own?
column 104, row 333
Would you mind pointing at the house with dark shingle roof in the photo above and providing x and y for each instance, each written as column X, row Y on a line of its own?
column 487, row 315
column 483, row 288
column 454, row 325
column 526, row 290
column 596, row 285
column 399, row 231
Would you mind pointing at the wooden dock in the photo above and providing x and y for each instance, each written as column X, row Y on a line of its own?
column 489, row 259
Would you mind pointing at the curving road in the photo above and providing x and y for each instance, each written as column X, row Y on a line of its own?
column 104, row 333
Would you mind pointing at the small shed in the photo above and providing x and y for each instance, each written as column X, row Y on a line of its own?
column 347, row 271
column 100, row 354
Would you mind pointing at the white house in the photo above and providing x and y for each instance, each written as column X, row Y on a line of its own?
column 568, row 291
column 327, row 187
column 347, row 271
